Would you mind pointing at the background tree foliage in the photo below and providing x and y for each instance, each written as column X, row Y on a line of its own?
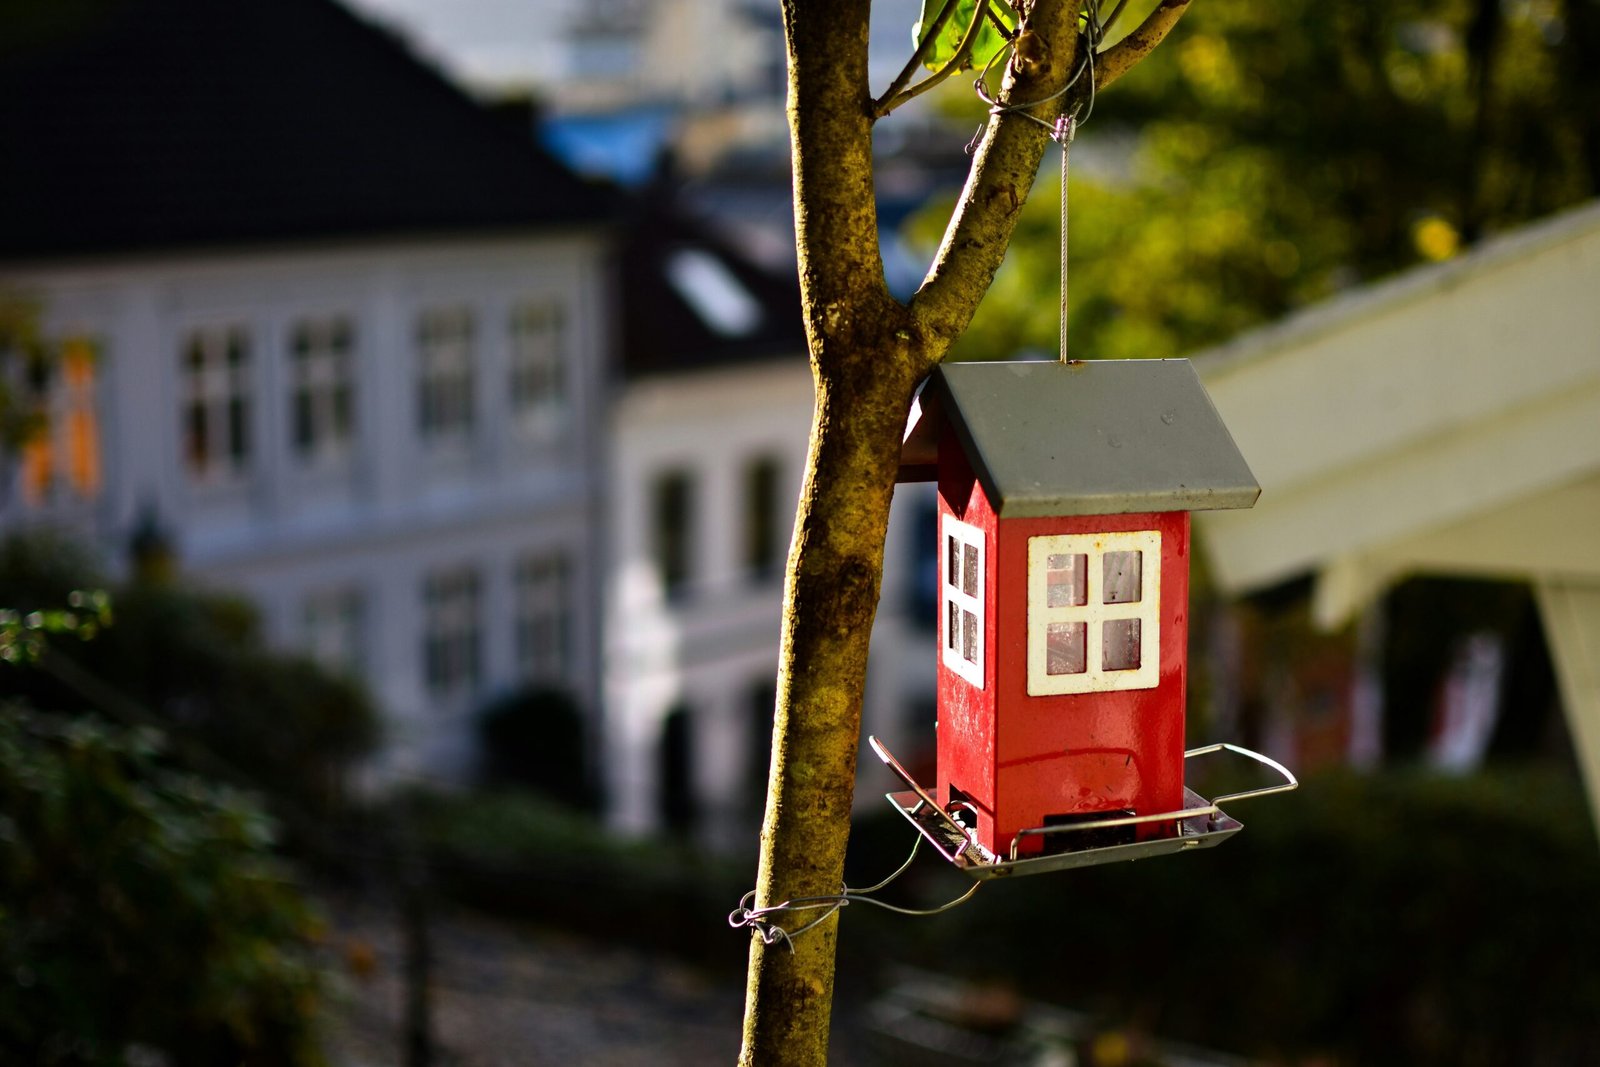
column 1272, row 153
column 145, row 912
column 196, row 663
column 143, row 917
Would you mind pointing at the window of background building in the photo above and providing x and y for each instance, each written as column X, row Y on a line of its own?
column 214, row 372
column 675, row 768
column 453, row 631
column 322, row 398
column 335, row 624
column 672, row 519
column 446, row 375
column 53, row 402
column 922, row 583
column 763, row 546
column 538, row 366
column 761, row 698
column 543, row 617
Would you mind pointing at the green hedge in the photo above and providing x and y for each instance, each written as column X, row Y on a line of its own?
column 520, row 855
column 143, row 916
column 1405, row 919
column 1385, row 919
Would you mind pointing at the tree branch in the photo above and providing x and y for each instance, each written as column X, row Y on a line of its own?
column 1121, row 57
column 880, row 106
column 957, row 62
column 1003, row 170
column 830, row 140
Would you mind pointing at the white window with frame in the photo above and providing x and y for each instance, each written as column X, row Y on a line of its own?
column 54, row 410
column 673, row 537
column 961, row 584
column 322, row 388
column 1094, row 612
column 334, row 629
column 446, row 375
column 214, row 374
column 539, row 405
column 763, row 533
column 453, row 632
column 543, row 620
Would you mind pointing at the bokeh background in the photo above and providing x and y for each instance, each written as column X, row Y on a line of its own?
column 402, row 406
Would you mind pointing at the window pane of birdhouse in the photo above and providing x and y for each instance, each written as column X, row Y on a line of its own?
column 952, row 628
column 1120, row 644
column 1122, row 578
column 1066, row 648
column 969, row 572
column 969, row 637
column 952, row 562
column 1067, row 579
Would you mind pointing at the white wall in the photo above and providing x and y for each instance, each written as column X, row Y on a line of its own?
column 708, row 649
column 398, row 508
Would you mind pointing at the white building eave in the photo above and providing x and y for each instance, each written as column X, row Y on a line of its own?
column 1413, row 406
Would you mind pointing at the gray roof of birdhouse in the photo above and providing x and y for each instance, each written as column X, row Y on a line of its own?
column 1092, row 437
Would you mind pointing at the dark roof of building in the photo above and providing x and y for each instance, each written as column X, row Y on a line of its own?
column 1088, row 437
column 160, row 124
column 692, row 300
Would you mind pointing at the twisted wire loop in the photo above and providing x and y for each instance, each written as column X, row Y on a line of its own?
column 1093, row 32
column 759, row 920
column 770, row 932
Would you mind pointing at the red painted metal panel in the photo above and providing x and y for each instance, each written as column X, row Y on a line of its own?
column 1021, row 760
column 1090, row 752
column 966, row 734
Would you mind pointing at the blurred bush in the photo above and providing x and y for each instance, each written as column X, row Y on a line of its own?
column 523, row 856
column 1386, row 919
column 197, row 663
column 533, row 739
column 142, row 917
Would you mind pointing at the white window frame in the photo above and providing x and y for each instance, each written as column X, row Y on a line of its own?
column 538, row 384
column 542, row 583
column 452, row 642
column 761, row 495
column 334, row 627
column 446, row 374
column 670, row 530
column 62, row 462
column 952, row 594
column 1094, row 613
column 220, row 386
column 322, row 374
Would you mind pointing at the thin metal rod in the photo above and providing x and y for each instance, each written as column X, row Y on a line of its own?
column 1213, row 808
column 1065, row 137
column 1290, row 782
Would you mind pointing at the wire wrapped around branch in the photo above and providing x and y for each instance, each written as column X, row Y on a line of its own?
column 760, row 920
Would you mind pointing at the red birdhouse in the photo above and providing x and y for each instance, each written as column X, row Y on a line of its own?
column 1064, row 499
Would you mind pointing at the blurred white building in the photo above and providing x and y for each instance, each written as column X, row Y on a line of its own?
column 334, row 329
column 364, row 353
column 1442, row 422
column 708, row 439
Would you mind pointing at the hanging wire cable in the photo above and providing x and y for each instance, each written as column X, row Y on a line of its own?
column 1066, row 127
column 1063, row 129
column 761, row 922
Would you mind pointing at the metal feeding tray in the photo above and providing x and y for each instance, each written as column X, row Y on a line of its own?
column 1200, row 823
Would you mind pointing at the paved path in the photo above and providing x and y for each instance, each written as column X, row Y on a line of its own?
column 509, row 996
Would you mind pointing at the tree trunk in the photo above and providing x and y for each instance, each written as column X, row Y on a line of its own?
column 836, row 567
column 868, row 352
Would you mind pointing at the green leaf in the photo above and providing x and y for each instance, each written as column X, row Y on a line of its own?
column 948, row 40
